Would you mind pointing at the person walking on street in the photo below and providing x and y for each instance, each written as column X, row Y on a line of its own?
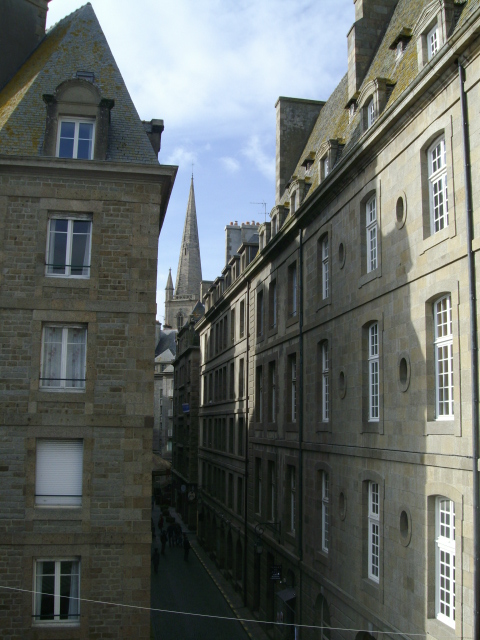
column 170, row 533
column 163, row 540
column 155, row 560
column 186, row 547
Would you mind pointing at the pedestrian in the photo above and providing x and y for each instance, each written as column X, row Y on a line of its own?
column 155, row 560
column 170, row 534
column 186, row 547
column 163, row 540
column 178, row 534
column 160, row 523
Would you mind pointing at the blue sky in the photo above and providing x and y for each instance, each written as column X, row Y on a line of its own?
column 213, row 70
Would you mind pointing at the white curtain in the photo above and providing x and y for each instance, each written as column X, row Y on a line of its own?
column 52, row 357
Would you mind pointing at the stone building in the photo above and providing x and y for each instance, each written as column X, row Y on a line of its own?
column 180, row 302
column 359, row 344
column 82, row 200
column 165, row 350
column 185, row 423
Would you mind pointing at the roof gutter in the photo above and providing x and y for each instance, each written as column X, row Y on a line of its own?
column 473, row 354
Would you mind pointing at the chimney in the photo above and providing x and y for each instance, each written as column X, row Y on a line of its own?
column 233, row 239
column 295, row 121
column 154, row 130
column 371, row 21
column 22, row 27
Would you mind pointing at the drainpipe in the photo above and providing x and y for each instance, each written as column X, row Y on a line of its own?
column 300, row 417
column 245, row 484
column 474, row 355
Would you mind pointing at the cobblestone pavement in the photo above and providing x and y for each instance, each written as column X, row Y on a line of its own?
column 195, row 586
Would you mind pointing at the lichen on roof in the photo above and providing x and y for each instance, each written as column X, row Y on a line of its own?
column 333, row 122
column 75, row 43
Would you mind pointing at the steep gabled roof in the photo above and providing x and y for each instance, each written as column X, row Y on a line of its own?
column 333, row 121
column 76, row 43
column 166, row 341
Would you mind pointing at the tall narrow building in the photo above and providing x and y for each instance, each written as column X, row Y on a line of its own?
column 179, row 303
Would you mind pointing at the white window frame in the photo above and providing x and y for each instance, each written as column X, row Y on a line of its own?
column 325, row 268
column 59, row 473
column 77, row 122
column 49, row 266
column 292, row 498
column 325, row 382
column 438, row 190
column 371, row 115
column 433, row 41
column 374, row 532
column 325, row 511
column 443, row 345
column 371, row 227
column 64, row 384
column 37, row 589
column 445, row 560
column 373, row 373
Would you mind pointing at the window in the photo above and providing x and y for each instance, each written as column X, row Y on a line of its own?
column 371, row 229
column 59, row 473
column 291, row 498
column 240, row 495
column 240, row 443
column 272, row 304
column 57, row 591
column 442, row 310
column 230, row 490
column 437, row 177
column 325, row 167
column 232, row 325
column 259, row 393
column 69, row 246
column 433, row 42
column 260, row 314
column 231, row 435
column 293, row 388
column 373, row 532
column 325, row 512
column 399, row 50
column 242, row 318
column 232, row 380
column 445, row 560
column 272, row 392
column 371, row 116
column 241, row 378
column 258, row 486
column 325, row 382
column 272, row 491
column 292, row 289
column 325, row 268
column 373, row 373
column 63, row 357
column 75, row 139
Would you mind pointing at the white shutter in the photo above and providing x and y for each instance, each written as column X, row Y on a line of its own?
column 59, row 472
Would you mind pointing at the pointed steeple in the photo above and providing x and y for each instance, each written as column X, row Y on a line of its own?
column 189, row 272
column 169, row 287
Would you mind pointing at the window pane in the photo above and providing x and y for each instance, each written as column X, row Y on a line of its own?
column 67, row 139
column 80, row 261
column 52, row 357
column 57, row 250
column 76, row 350
column 85, row 135
column 45, row 588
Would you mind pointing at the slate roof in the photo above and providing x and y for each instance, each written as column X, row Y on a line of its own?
column 333, row 120
column 75, row 43
column 166, row 341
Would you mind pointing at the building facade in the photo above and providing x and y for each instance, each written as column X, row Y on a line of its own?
column 163, row 391
column 361, row 390
column 82, row 201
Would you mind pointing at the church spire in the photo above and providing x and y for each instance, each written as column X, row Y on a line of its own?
column 169, row 287
column 189, row 272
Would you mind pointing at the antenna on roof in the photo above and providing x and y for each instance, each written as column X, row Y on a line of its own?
column 264, row 208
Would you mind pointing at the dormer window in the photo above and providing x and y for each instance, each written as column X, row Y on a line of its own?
column 351, row 112
column 75, row 138
column 433, row 41
column 326, row 167
column 399, row 50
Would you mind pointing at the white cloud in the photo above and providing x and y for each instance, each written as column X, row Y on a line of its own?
column 181, row 156
column 230, row 164
column 263, row 162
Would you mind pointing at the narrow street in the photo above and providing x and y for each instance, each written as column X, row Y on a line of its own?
column 189, row 587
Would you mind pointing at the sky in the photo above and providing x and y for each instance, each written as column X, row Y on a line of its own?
column 213, row 71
